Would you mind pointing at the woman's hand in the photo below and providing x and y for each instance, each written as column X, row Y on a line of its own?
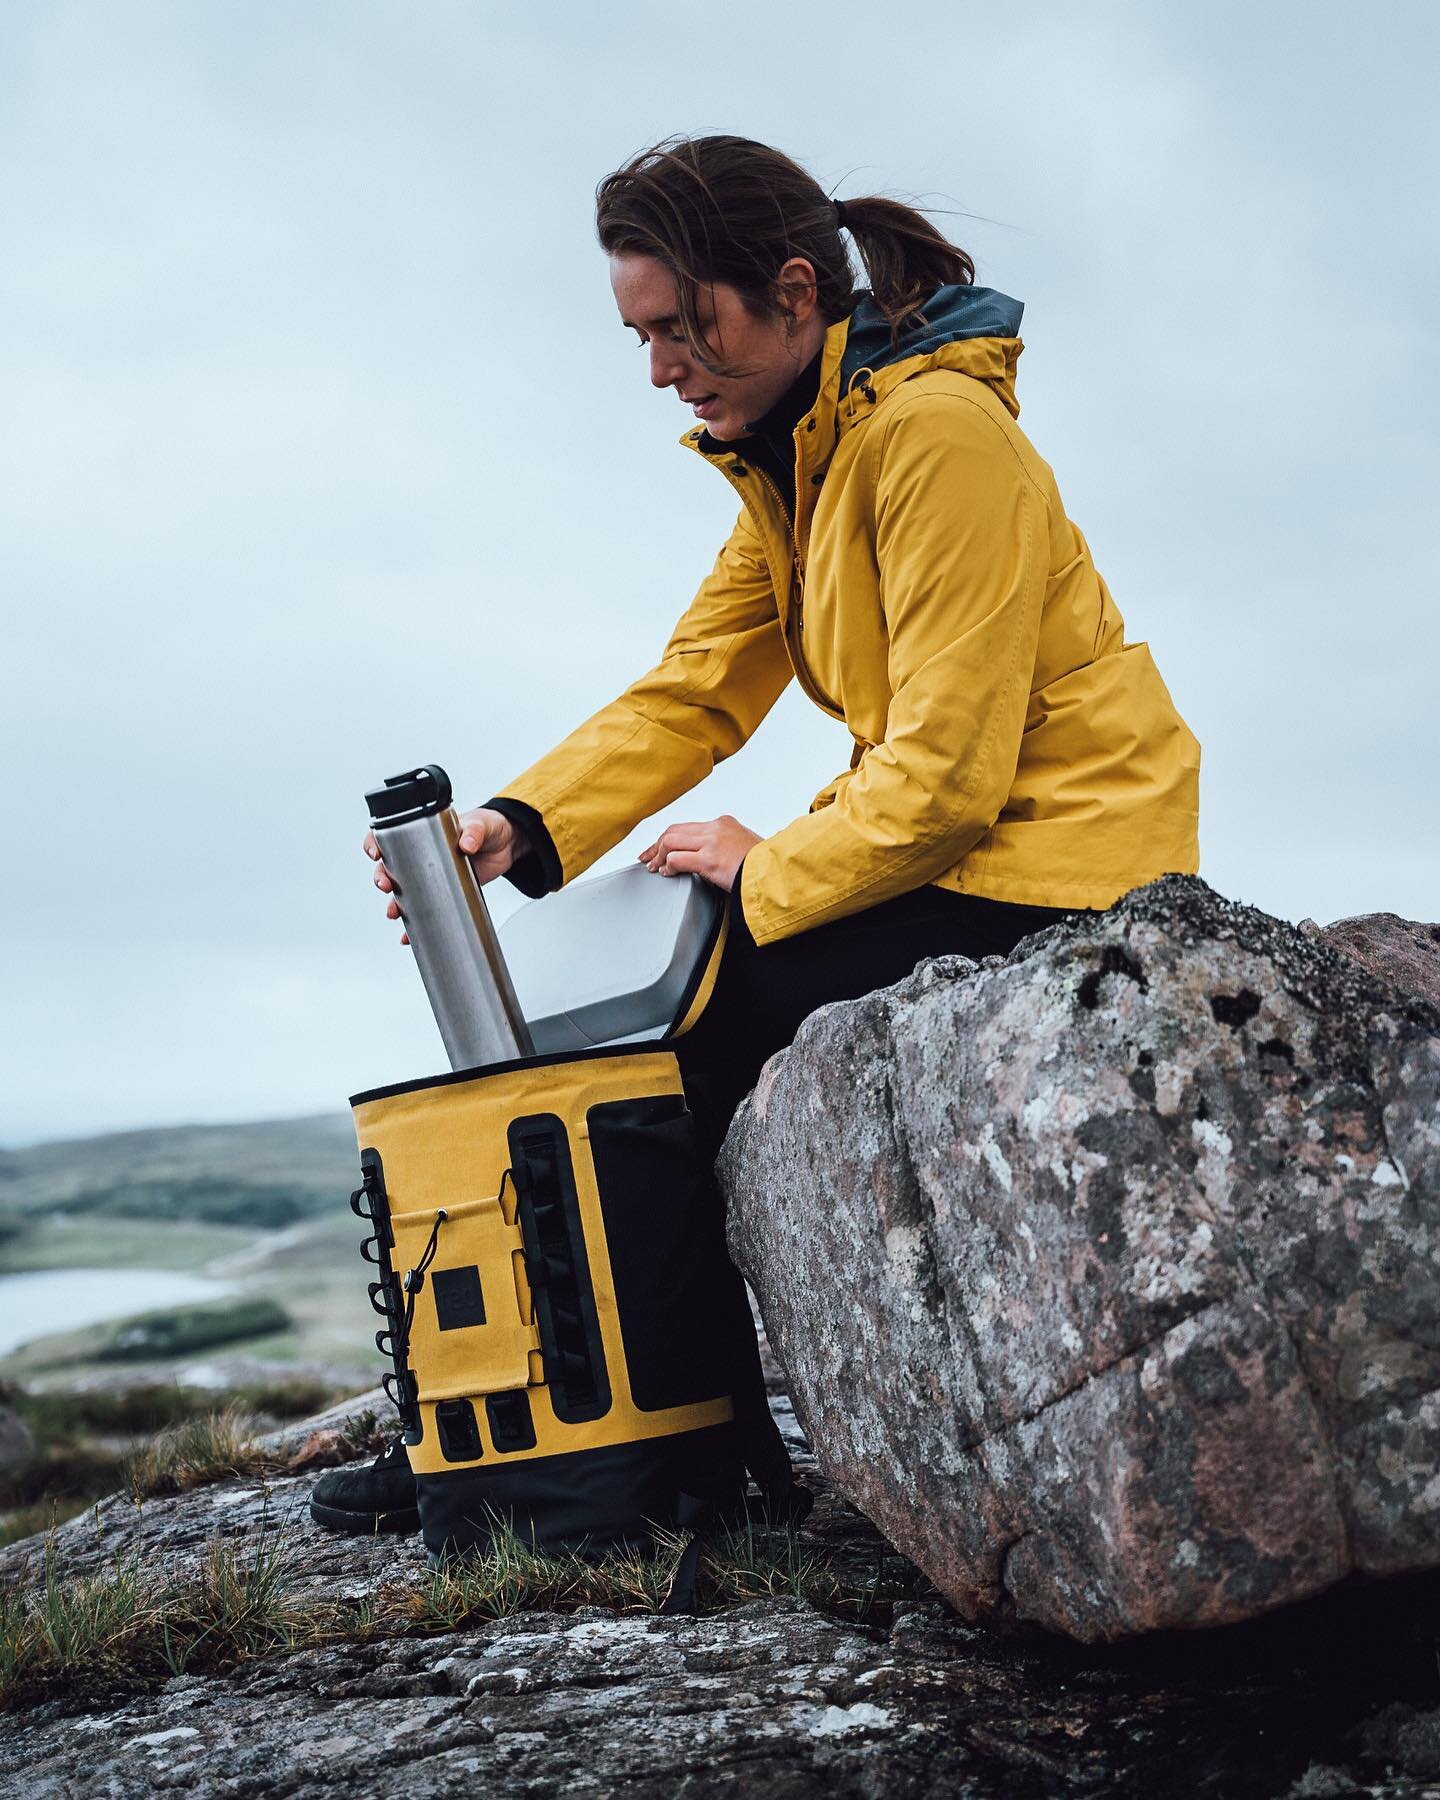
column 713, row 848
column 488, row 838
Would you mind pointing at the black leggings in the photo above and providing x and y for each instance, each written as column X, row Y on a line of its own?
column 763, row 992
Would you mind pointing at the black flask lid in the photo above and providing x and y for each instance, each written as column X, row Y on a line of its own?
column 417, row 794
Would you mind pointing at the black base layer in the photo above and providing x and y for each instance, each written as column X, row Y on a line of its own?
column 588, row 1501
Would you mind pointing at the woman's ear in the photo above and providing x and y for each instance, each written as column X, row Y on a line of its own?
column 796, row 291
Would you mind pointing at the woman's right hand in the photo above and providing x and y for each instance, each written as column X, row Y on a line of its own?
column 488, row 838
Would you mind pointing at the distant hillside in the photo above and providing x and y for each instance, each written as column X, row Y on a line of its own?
column 262, row 1174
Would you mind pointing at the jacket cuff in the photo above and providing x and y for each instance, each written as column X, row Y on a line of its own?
column 538, row 871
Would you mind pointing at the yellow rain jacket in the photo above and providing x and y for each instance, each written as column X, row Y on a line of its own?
column 933, row 595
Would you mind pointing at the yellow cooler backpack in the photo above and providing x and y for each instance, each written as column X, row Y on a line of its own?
column 565, row 1329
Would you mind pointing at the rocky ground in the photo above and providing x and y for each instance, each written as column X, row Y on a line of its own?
column 769, row 1698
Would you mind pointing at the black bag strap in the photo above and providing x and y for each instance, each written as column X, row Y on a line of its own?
column 761, row 1446
column 701, row 1517
column 696, row 1516
column 784, row 1501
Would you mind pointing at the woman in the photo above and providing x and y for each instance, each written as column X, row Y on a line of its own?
column 901, row 551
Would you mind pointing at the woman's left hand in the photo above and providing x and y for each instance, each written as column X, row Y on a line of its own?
column 713, row 848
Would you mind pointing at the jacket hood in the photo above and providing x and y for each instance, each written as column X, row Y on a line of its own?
column 973, row 330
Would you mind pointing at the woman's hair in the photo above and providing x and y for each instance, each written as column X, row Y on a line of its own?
column 728, row 209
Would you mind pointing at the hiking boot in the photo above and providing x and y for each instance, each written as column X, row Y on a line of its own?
column 379, row 1497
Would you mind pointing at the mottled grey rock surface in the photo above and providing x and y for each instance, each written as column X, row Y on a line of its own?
column 1404, row 952
column 771, row 1699
column 1107, row 1277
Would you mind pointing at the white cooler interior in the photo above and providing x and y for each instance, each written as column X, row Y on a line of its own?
column 609, row 960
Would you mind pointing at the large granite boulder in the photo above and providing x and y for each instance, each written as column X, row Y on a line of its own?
column 1107, row 1276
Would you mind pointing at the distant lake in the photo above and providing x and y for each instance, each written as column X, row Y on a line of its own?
column 43, row 1301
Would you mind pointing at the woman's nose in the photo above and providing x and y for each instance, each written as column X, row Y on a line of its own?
column 666, row 368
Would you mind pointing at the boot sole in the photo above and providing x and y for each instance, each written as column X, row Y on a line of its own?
column 364, row 1524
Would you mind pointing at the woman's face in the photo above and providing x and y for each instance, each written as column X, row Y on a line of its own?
column 769, row 353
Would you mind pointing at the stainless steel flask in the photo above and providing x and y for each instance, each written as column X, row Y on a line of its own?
column 448, row 922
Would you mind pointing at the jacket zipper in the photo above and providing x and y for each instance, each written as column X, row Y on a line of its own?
column 796, row 562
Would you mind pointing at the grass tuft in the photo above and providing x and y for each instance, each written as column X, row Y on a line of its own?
column 244, row 1605
column 133, row 1627
column 756, row 1560
column 511, row 1575
column 209, row 1448
column 749, row 1561
column 366, row 1433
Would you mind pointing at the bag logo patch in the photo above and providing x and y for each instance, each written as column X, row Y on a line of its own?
column 458, row 1299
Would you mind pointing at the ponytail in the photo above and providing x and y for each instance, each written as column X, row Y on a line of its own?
column 731, row 210
column 904, row 256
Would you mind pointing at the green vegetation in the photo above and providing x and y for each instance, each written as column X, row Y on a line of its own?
column 312, row 1270
column 151, row 1406
column 182, row 1330
column 59, row 1241
column 163, row 1334
column 97, row 1200
column 746, row 1562
column 261, row 1207
column 311, row 1158
column 366, row 1433
column 205, row 1199
column 177, row 1439
column 133, row 1627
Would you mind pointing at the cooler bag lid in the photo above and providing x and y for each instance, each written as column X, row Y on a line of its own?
column 614, row 959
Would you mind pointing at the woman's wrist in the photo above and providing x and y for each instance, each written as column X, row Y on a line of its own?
column 535, row 867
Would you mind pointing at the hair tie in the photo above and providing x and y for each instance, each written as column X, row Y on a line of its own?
column 841, row 222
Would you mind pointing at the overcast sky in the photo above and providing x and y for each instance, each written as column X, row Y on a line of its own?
column 323, row 453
